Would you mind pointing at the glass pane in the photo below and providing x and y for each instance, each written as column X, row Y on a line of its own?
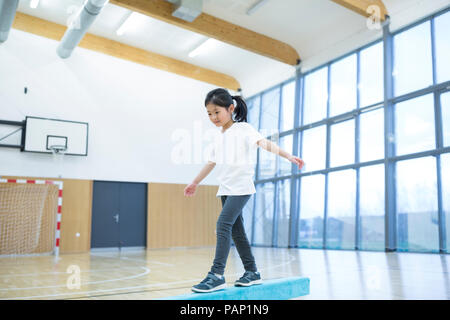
column 342, row 147
column 445, row 179
column 417, row 210
column 267, row 161
column 270, row 110
column 283, row 212
column 371, row 135
column 264, row 214
column 442, row 26
column 314, row 148
column 312, row 197
column 340, row 227
column 414, row 125
column 285, row 166
column 445, row 110
column 247, row 215
column 371, row 85
column 371, row 207
column 343, row 85
column 316, row 96
column 253, row 111
column 288, row 107
column 412, row 62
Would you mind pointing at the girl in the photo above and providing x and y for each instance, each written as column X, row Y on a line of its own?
column 232, row 151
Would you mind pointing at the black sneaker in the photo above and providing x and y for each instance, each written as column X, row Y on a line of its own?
column 248, row 279
column 210, row 283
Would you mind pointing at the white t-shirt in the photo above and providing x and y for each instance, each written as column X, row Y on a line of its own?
column 234, row 153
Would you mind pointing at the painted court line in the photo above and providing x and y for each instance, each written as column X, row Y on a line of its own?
column 141, row 286
column 147, row 271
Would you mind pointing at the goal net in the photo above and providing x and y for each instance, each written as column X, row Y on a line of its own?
column 30, row 216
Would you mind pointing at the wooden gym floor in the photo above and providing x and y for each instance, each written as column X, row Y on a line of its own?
column 153, row 274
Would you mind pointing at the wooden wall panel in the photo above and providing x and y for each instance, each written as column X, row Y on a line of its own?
column 76, row 214
column 178, row 221
column 173, row 220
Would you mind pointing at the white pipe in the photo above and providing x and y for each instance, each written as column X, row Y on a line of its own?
column 8, row 10
column 256, row 6
column 79, row 27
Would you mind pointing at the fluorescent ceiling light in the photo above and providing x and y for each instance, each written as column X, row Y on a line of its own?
column 128, row 24
column 256, row 6
column 205, row 47
column 34, row 4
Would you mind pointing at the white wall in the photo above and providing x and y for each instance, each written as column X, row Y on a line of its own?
column 132, row 111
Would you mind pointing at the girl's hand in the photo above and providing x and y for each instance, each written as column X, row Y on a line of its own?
column 296, row 160
column 189, row 191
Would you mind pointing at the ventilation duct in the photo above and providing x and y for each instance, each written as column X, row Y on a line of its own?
column 7, row 13
column 79, row 27
column 187, row 10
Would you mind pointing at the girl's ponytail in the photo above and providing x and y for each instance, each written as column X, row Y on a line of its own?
column 221, row 97
column 240, row 112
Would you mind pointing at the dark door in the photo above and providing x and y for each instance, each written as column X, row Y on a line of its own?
column 119, row 214
column 105, row 215
column 133, row 214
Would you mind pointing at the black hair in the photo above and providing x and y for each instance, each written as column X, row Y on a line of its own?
column 222, row 98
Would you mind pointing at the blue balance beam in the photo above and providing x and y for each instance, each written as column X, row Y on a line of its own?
column 278, row 289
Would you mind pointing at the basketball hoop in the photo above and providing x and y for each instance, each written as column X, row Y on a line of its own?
column 58, row 149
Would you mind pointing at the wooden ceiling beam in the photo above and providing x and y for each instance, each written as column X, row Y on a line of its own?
column 116, row 49
column 362, row 7
column 213, row 27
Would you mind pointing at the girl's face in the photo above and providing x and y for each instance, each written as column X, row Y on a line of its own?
column 219, row 115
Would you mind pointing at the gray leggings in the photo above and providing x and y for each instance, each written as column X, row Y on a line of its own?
column 231, row 225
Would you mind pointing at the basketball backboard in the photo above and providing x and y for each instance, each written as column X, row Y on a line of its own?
column 41, row 134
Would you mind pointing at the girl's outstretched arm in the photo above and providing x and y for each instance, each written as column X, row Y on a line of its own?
column 189, row 191
column 274, row 148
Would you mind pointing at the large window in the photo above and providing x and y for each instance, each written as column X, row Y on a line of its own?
column 371, row 207
column 445, row 178
column 288, row 106
column 442, row 26
column 312, row 197
column 414, row 125
column 371, row 135
column 340, row 225
column 417, row 209
column 343, row 85
column 270, row 112
column 285, row 166
column 270, row 107
column 283, row 212
column 264, row 214
column 267, row 163
column 410, row 75
column 371, row 85
column 316, row 96
column 342, row 150
column 314, row 148
column 445, row 111
column 253, row 111
column 358, row 143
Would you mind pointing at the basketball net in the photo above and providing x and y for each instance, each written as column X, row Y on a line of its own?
column 58, row 152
